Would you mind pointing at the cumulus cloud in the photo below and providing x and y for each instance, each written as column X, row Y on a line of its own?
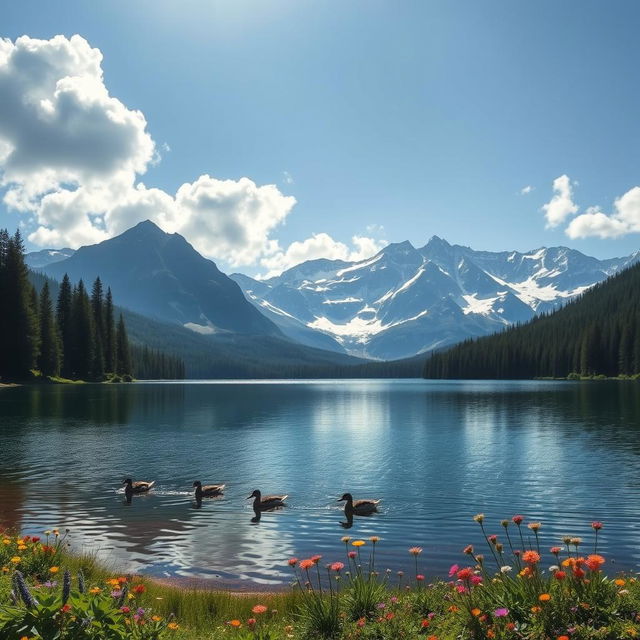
column 561, row 205
column 525, row 190
column 320, row 245
column 625, row 219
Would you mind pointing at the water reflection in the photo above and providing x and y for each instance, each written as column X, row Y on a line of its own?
column 564, row 453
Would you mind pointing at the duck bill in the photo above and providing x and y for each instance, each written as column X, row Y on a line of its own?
column 249, row 497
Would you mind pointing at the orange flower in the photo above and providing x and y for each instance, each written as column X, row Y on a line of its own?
column 235, row 623
column 139, row 588
column 619, row 582
column 544, row 597
column 174, row 625
column 415, row 551
column 54, row 569
column 475, row 612
column 358, row 543
column 563, row 638
column 259, row 608
column 531, row 557
column 536, row 609
column 306, row 564
column 534, row 526
column 594, row 562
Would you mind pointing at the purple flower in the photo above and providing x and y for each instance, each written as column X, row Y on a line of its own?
column 140, row 611
column 116, row 594
column 501, row 613
column 381, row 605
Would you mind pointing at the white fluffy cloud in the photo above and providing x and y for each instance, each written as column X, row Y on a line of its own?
column 561, row 205
column 320, row 245
column 625, row 219
column 526, row 190
column 71, row 156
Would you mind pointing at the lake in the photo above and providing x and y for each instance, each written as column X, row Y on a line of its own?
column 435, row 452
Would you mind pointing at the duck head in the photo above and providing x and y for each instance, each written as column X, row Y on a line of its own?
column 127, row 481
column 256, row 494
column 346, row 496
column 197, row 483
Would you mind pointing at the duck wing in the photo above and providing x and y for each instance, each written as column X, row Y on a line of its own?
column 365, row 504
column 266, row 499
column 213, row 488
column 141, row 485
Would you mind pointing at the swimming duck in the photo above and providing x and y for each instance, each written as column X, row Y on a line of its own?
column 140, row 486
column 268, row 502
column 359, row 507
column 208, row 490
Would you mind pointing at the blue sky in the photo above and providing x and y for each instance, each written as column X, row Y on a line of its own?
column 384, row 120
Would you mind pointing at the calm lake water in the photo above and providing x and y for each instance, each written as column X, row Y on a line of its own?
column 436, row 453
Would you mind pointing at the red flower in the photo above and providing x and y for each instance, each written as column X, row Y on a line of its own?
column 293, row 562
column 493, row 539
column 425, row 623
column 315, row 559
column 65, row 608
column 352, row 554
column 420, row 577
column 560, row 575
column 139, row 588
column 251, row 622
column 596, row 525
column 518, row 519
column 125, row 609
column 555, row 550
column 465, row 574
column 578, row 572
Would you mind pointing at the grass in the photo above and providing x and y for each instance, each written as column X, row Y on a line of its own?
column 517, row 590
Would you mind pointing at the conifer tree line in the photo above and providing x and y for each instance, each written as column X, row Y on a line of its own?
column 597, row 334
column 77, row 337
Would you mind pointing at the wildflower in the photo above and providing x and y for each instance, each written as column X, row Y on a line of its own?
column 235, row 623
column 465, row 574
column 425, row 623
column 575, row 541
column 316, row 559
column 476, row 580
column 536, row 609
column 469, row 549
column 453, row 570
column 306, row 564
column 596, row 525
column 479, row 517
column 419, row 577
column 258, row 609
column 16, row 559
column 480, row 558
column 555, row 550
column 125, row 609
column 578, row 572
column 345, row 539
column 54, row 569
column 65, row 608
column 501, row 613
column 400, row 574
column 358, row 543
column 156, row 618
column 139, row 588
column 534, row 526
column 337, row 566
column 531, row 557
column 414, row 551
column 174, row 625
column 499, row 547
column 505, row 569
column 361, row 622
column 544, row 597
column 518, row 519
column 493, row 539
column 351, row 554
column 594, row 562
column 560, row 575
column 504, row 523
column 374, row 539
column 563, row 638
column 620, row 582
column 475, row 612
column 251, row 622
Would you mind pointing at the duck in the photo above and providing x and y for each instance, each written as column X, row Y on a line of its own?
column 139, row 486
column 358, row 507
column 268, row 502
column 208, row 490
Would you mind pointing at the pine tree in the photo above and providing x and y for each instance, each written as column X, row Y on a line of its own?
column 109, row 335
column 97, row 308
column 19, row 327
column 49, row 357
column 82, row 334
column 123, row 354
column 63, row 318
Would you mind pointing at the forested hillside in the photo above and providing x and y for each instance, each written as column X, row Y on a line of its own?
column 597, row 334
column 63, row 329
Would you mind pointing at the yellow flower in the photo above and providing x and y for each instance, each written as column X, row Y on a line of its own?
column 173, row 626
column 16, row 559
column 479, row 517
column 536, row 609
column 156, row 618
column 5, row 569
column 345, row 539
column 358, row 543
column 54, row 569
column 6, row 541
column 22, row 547
column 95, row 590
column 544, row 597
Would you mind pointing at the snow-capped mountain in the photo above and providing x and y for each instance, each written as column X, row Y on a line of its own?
column 40, row 259
column 404, row 301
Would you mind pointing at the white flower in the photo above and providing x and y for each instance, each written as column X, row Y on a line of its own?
column 554, row 567
column 505, row 569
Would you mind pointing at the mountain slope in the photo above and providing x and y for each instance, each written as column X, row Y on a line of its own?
column 40, row 259
column 404, row 301
column 162, row 276
column 599, row 333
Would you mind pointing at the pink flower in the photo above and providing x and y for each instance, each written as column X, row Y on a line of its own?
column 337, row 566
column 453, row 570
column 475, row 580
column 501, row 613
column 419, row 577
column 352, row 554
column 518, row 519
column 461, row 588
column 596, row 525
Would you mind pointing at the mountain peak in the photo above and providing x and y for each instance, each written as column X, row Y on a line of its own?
column 399, row 247
column 437, row 241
